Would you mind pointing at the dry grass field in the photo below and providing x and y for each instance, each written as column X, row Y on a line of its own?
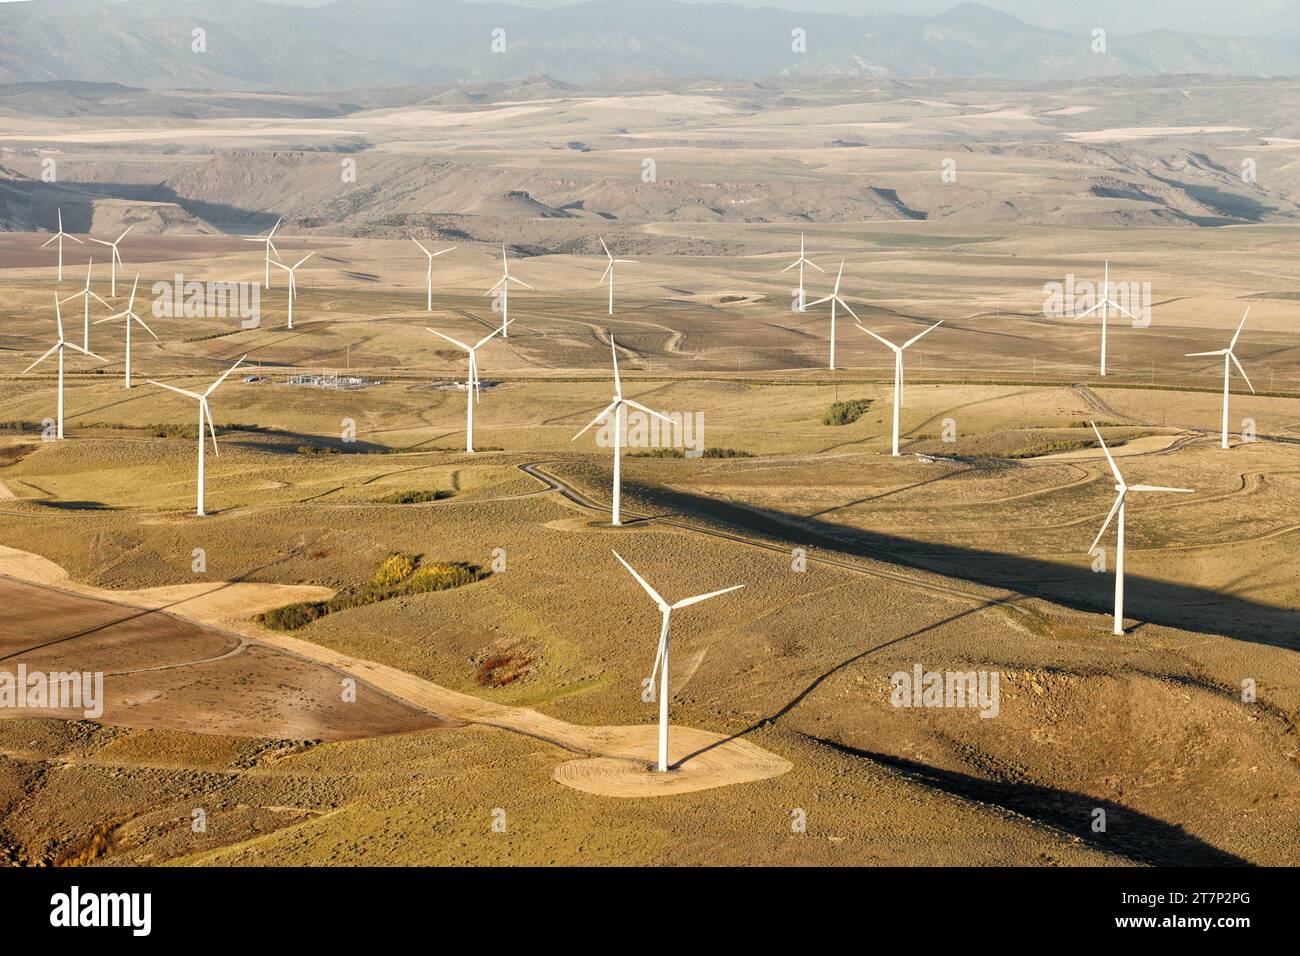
column 519, row 697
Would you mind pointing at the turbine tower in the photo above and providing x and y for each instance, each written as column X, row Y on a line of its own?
column 115, row 259
column 661, row 654
column 270, row 248
column 609, row 271
column 59, row 346
column 1105, row 303
column 834, row 299
column 616, row 407
column 86, row 295
column 428, row 276
column 1229, row 359
column 130, row 316
column 293, row 281
column 801, row 262
column 1121, row 493
column 60, row 236
column 471, row 380
column 504, row 285
column 205, row 415
column 898, row 369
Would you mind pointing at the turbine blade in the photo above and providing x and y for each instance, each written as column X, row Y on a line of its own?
column 1087, row 312
column 814, row 265
column 53, row 348
column 1119, row 499
column 648, row 411
column 1237, row 334
column 613, row 352
column 135, row 285
column 1242, row 371
column 847, row 306
column 212, row 429
column 48, row 241
column 422, row 249
column 1122, row 309
column 448, row 338
column 273, row 228
column 1113, row 467
column 605, row 247
column 663, row 605
column 142, row 325
column 217, row 384
column 303, row 259
column 58, row 315
column 790, row 266
column 483, row 341
column 839, row 277
column 68, row 235
column 820, row 301
column 442, row 251
column 882, row 341
column 608, row 408
column 78, row 348
column 520, row 282
column 123, row 235
column 687, row 602
column 173, row 388
column 1185, row 491
column 1194, row 354
column 920, row 334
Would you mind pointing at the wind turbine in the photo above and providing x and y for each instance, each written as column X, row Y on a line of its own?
column 1105, row 303
column 1229, row 357
column 898, row 369
column 293, row 281
column 115, row 259
column 661, row 655
column 616, row 406
column 59, row 346
column 205, row 414
column 1121, row 492
column 504, row 285
column 428, row 278
column 130, row 316
column 60, row 236
column 86, row 295
column 471, row 380
column 609, row 271
column 801, row 262
column 270, row 248
column 834, row 299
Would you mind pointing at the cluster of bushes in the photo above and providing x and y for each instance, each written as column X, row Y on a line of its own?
column 679, row 453
column 398, row 576
column 413, row 497
column 846, row 413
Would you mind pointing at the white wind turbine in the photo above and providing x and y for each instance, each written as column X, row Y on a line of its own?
column 86, row 295
column 1105, row 303
column 293, row 281
column 1121, row 492
column 609, row 271
column 60, row 236
column 834, row 299
column 801, row 262
column 898, row 369
column 471, row 380
column 504, row 285
column 59, row 346
column 1229, row 357
column 270, row 248
column 130, row 317
column 616, row 406
column 205, row 416
column 428, row 276
column 661, row 654
column 115, row 259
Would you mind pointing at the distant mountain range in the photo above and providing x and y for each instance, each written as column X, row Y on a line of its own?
column 357, row 44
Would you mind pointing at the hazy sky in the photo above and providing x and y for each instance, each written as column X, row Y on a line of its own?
column 1228, row 17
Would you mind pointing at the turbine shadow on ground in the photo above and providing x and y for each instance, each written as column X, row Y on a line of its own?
column 1183, row 606
column 1133, row 835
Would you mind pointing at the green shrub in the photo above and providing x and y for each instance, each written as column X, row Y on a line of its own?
column 846, row 413
column 398, row 575
column 412, row 497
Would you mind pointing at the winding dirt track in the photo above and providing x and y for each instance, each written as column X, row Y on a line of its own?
column 615, row 761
